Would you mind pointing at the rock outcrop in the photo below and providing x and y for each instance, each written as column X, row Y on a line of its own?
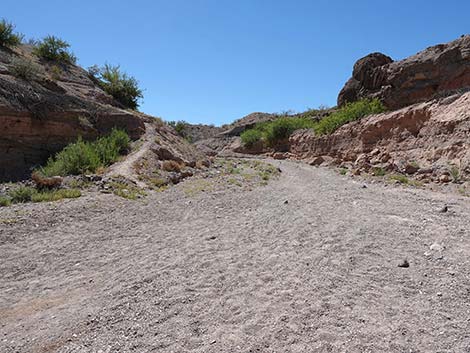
column 435, row 72
column 422, row 137
column 43, row 113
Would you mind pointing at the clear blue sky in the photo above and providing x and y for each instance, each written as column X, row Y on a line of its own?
column 212, row 61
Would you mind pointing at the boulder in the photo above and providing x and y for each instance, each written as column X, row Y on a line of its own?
column 434, row 72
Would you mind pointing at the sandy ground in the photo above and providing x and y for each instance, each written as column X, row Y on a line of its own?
column 239, row 271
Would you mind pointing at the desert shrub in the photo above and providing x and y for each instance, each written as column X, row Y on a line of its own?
column 171, row 166
column 251, row 137
column 55, row 195
column 21, row 194
column 280, row 129
column 5, row 201
column 124, row 88
column 274, row 131
column 54, row 49
column 349, row 112
column 24, row 68
column 8, row 37
column 82, row 156
column 109, row 148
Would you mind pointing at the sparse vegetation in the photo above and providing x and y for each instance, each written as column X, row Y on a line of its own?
column 126, row 191
column 54, row 49
column 24, row 68
column 273, row 132
column 87, row 157
column 343, row 171
column 8, row 36
column 23, row 194
column 124, row 88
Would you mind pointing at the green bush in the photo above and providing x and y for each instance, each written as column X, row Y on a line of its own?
column 124, row 88
column 24, row 68
column 5, row 201
column 274, row 131
column 349, row 112
column 8, row 38
column 21, row 194
column 251, row 137
column 280, row 129
column 54, row 49
column 86, row 157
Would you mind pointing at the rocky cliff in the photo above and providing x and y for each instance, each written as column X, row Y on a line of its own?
column 51, row 107
column 434, row 72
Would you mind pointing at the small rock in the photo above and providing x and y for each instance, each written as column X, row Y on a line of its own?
column 436, row 247
column 444, row 209
column 316, row 161
column 410, row 168
column 439, row 294
column 445, row 178
column 404, row 264
column 364, row 186
column 286, row 202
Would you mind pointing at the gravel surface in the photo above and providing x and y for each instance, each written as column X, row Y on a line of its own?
column 311, row 262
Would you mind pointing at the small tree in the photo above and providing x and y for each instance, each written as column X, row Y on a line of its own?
column 55, row 49
column 124, row 88
column 8, row 38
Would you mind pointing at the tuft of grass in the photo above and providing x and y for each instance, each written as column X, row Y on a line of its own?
column 378, row 171
column 343, row 171
column 8, row 36
column 87, row 157
column 348, row 113
column 54, row 49
column 5, row 201
column 21, row 194
column 55, row 195
column 402, row 179
column 455, row 174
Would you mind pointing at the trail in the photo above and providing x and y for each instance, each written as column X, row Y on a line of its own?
column 125, row 167
column 308, row 263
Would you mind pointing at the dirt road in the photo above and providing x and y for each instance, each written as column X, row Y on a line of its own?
column 308, row 263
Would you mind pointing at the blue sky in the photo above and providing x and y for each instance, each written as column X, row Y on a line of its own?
column 212, row 61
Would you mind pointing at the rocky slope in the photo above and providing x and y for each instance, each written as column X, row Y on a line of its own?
column 430, row 139
column 39, row 116
column 435, row 71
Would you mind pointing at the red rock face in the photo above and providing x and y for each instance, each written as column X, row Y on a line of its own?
column 435, row 133
column 424, row 76
column 39, row 117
